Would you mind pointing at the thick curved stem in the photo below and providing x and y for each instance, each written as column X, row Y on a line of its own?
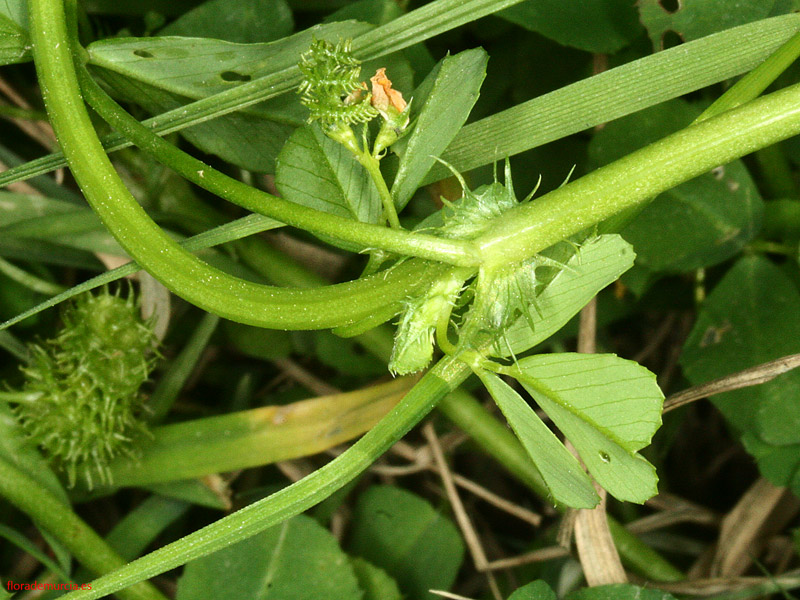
column 640, row 176
column 183, row 273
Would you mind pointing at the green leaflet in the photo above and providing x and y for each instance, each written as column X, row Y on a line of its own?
column 566, row 481
column 298, row 559
column 608, row 407
column 453, row 92
column 404, row 535
column 315, row 171
column 598, row 263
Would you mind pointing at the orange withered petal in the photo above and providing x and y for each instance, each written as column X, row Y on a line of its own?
column 383, row 96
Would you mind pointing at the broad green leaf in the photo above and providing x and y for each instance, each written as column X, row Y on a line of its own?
column 592, row 25
column 161, row 73
column 779, row 464
column 599, row 262
column 608, row 407
column 453, row 91
column 566, row 481
column 375, row 582
column 298, row 559
column 535, row 590
column 243, row 21
column 15, row 46
column 401, row 533
column 619, row 591
column 752, row 316
column 698, row 18
column 697, row 224
column 315, row 171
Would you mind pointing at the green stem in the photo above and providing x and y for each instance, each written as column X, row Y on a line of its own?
column 296, row 498
column 29, row 281
column 373, row 167
column 641, row 175
column 756, row 81
column 183, row 273
column 57, row 518
column 365, row 234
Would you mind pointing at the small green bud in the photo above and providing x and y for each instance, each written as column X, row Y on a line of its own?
column 393, row 108
column 413, row 344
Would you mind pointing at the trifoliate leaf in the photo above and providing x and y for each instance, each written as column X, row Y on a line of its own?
column 567, row 482
column 608, row 407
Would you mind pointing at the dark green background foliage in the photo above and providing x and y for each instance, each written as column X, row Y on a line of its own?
column 563, row 88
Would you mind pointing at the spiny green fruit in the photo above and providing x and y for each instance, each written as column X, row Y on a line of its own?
column 87, row 408
column 413, row 342
column 332, row 89
column 500, row 293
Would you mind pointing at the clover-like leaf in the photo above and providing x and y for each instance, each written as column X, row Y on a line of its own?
column 315, row 171
column 608, row 407
column 598, row 262
column 567, row 482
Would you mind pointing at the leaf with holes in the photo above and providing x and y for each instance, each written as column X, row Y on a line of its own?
column 566, row 481
column 315, row 171
column 693, row 19
column 608, row 408
column 298, row 559
column 163, row 73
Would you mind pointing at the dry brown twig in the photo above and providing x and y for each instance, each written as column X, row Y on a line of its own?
column 753, row 376
column 463, row 520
